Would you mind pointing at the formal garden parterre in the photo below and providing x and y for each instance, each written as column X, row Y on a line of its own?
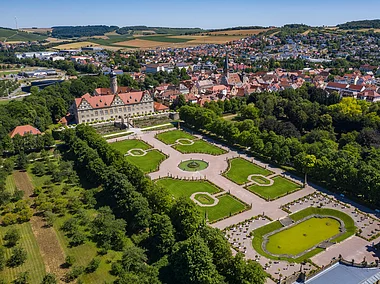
column 187, row 143
column 226, row 206
column 140, row 154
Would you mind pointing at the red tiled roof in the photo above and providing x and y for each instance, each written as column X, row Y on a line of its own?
column 158, row 106
column 336, row 85
column 24, row 129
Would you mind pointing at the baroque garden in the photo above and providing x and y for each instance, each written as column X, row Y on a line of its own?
column 265, row 212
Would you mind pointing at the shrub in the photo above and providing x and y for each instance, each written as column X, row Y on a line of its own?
column 69, row 260
column 93, row 265
column 18, row 257
column 11, row 237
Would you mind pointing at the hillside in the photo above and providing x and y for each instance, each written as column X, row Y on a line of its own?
column 365, row 24
column 10, row 35
column 158, row 30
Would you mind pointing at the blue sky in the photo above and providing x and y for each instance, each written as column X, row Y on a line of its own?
column 195, row 13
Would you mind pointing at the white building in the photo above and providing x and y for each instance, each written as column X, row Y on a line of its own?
column 111, row 103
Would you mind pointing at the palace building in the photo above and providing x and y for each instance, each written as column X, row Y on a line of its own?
column 111, row 103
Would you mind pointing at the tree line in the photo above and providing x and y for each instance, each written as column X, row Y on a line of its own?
column 172, row 243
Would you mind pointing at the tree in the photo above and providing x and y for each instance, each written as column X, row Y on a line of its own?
column 11, row 238
column 18, row 257
column 69, row 260
column 49, row 279
column 245, row 272
column 162, row 234
column 22, row 161
column 39, row 168
column 192, row 262
column 22, row 278
column 93, row 265
column 133, row 259
column 305, row 163
column 185, row 218
column 2, row 258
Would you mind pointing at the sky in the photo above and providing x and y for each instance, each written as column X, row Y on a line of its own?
column 206, row 14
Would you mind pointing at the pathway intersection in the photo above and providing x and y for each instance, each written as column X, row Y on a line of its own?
column 261, row 212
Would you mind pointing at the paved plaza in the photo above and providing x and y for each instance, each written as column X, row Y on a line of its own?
column 239, row 227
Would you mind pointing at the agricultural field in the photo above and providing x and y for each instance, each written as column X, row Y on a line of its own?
column 10, row 35
column 281, row 187
column 240, row 169
column 75, row 45
column 247, row 32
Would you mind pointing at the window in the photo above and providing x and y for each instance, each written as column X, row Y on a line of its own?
column 120, row 109
column 96, row 112
column 101, row 112
column 111, row 110
column 106, row 111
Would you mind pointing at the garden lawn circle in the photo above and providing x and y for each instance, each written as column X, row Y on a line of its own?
column 137, row 152
column 184, row 141
column 207, row 196
column 193, row 165
column 269, row 181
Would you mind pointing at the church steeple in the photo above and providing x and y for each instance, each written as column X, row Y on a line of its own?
column 226, row 67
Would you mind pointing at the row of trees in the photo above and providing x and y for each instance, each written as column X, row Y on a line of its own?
column 172, row 243
column 344, row 162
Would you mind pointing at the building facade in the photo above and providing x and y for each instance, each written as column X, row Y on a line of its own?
column 111, row 103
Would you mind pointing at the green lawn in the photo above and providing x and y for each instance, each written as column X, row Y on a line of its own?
column 260, row 180
column 281, row 187
column 83, row 254
column 349, row 224
column 170, row 137
column 34, row 263
column 148, row 163
column 226, row 207
column 200, row 146
column 126, row 145
column 179, row 188
column 204, row 199
column 240, row 169
column 260, row 232
column 186, row 165
column 10, row 185
column 303, row 236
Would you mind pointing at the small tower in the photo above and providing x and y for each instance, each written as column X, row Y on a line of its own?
column 113, row 82
column 226, row 67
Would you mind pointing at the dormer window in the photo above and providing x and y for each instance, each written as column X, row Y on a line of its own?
column 100, row 100
column 105, row 104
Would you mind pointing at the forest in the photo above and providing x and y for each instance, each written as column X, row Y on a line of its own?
column 365, row 24
column 336, row 142
column 80, row 31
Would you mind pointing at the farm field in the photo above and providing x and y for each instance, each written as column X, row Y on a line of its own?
column 11, row 35
column 281, row 186
column 302, row 236
column 75, row 45
column 240, row 169
column 246, row 32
